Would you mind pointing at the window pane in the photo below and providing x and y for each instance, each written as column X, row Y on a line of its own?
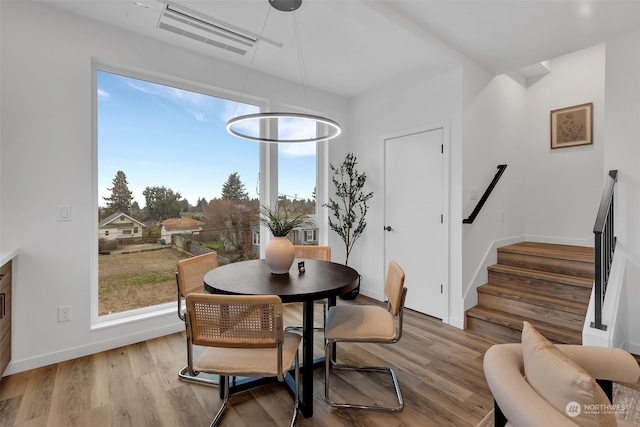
column 297, row 177
column 174, row 179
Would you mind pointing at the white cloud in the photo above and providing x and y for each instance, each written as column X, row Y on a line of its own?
column 196, row 104
column 103, row 95
column 300, row 149
column 293, row 129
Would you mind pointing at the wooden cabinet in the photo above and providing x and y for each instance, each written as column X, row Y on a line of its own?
column 5, row 316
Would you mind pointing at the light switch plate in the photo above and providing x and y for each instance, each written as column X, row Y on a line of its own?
column 64, row 213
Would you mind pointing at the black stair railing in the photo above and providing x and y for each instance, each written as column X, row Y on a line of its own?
column 605, row 245
column 485, row 196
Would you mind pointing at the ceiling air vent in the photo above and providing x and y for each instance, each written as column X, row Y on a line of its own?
column 198, row 29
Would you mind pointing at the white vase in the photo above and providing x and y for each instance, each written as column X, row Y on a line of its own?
column 279, row 255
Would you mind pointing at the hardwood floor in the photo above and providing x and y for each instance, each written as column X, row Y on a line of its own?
column 439, row 369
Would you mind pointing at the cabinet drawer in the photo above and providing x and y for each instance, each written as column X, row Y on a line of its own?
column 5, row 301
column 5, row 314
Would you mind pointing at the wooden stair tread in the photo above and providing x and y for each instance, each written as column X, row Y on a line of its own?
column 534, row 298
column 513, row 321
column 543, row 275
column 548, row 285
column 548, row 250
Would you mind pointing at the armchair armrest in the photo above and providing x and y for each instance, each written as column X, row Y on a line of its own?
column 604, row 363
column 521, row 405
column 519, row 402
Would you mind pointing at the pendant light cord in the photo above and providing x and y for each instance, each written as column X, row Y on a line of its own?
column 253, row 57
column 303, row 70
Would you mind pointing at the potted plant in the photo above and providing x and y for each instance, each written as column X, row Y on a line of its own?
column 350, row 209
column 279, row 252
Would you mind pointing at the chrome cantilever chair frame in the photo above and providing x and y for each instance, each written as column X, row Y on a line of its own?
column 331, row 363
column 206, row 262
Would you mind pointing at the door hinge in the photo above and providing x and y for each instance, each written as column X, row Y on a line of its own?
column 441, row 148
column 441, row 219
column 441, row 289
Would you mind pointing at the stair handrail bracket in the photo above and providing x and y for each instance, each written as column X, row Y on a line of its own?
column 605, row 245
column 485, row 196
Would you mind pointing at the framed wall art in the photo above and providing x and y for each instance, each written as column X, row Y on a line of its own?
column 572, row 126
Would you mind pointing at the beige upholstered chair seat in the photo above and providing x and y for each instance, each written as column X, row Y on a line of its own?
column 366, row 323
column 353, row 323
column 259, row 362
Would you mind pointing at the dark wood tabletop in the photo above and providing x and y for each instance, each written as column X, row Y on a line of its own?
column 321, row 279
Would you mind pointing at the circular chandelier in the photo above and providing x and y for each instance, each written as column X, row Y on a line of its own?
column 332, row 127
column 321, row 128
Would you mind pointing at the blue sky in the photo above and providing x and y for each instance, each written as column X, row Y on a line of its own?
column 163, row 136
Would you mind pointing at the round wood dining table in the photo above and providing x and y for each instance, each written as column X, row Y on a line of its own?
column 320, row 279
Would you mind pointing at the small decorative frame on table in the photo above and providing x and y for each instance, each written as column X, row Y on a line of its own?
column 572, row 126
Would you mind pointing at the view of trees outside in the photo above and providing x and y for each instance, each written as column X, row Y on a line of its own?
column 164, row 153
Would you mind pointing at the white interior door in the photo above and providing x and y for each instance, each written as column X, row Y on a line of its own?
column 413, row 216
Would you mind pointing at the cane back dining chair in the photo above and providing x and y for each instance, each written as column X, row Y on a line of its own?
column 367, row 324
column 243, row 335
column 190, row 279
column 322, row 253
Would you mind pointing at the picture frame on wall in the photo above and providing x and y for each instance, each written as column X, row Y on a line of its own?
column 572, row 126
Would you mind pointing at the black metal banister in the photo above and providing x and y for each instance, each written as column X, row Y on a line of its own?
column 485, row 196
column 605, row 245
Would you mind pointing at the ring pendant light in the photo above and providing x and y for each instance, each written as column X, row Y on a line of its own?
column 324, row 128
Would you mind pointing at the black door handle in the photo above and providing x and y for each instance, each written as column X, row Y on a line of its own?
column 388, row 228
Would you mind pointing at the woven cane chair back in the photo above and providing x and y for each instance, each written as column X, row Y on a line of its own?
column 322, row 253
column 393, row 287
column 191, row 272
column 235, row 321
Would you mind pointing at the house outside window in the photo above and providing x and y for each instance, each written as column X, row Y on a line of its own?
column 310, row 235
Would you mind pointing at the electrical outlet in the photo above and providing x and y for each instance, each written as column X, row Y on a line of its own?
column 64, row 313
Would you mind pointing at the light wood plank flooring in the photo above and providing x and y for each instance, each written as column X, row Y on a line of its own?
column 439, row 369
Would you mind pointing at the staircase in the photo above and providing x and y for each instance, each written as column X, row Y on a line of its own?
column 545, row 284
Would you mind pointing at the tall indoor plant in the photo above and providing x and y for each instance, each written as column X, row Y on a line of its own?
column 349, row 209
column 279, row 252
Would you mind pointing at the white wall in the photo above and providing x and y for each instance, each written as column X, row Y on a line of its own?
column 410, row 103
column 47, row 161
column 564, row 185
column 544, row 195
column 494, row 119
column 622, row 152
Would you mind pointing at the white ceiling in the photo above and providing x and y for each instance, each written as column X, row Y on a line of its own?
column 350, row 47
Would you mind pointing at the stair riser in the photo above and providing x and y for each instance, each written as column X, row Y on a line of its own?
column 485, row 327
column 555, row 265
column 542, row 287
column 525, row 309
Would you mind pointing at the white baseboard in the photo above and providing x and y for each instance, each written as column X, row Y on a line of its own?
column 458, row 323
column 561, row 240
column 17, row 366
column 632, row 347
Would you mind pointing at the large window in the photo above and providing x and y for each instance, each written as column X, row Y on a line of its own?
column 169, row 176
column 297, row 175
